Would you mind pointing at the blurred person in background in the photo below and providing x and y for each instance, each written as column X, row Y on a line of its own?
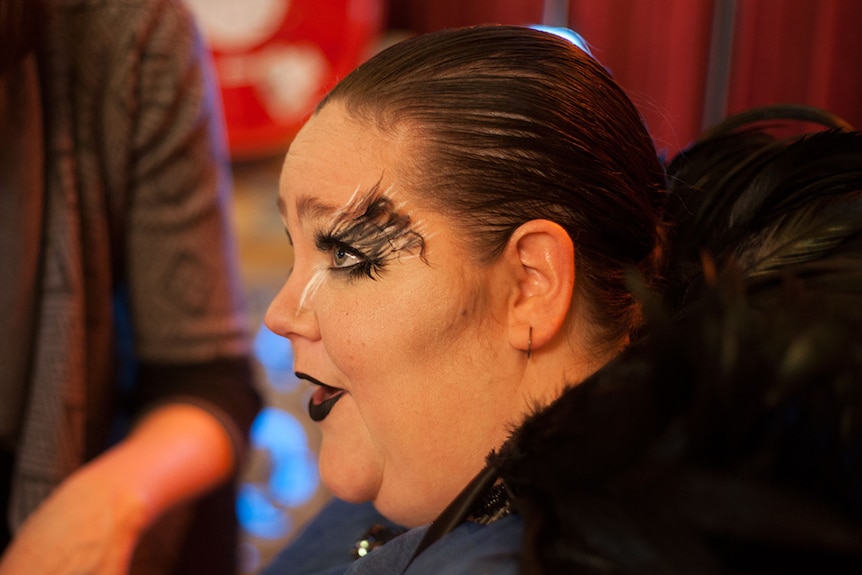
column 126, row 387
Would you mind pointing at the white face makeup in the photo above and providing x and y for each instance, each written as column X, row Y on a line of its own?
column 398, row 329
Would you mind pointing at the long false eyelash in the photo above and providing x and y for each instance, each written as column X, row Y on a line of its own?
column 365, row 267
column 373, row 236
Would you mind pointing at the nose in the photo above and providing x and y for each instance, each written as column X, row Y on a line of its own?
column 291, row 313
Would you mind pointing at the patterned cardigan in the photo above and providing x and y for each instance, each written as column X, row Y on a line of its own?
column 138, row 300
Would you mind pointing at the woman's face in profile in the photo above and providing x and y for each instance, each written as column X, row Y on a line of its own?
column 391, row 320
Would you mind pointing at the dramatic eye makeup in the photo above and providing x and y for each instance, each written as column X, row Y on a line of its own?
column 367, row 234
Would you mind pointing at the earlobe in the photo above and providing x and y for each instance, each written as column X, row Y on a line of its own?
column 543, row 259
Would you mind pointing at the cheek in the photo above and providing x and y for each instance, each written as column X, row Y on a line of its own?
column 403, row 328
column 354, row 325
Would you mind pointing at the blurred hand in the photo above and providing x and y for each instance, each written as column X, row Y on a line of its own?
column 88, row 526
column 91, row 523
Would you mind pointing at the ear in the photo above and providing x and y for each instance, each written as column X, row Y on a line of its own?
column 542, row 257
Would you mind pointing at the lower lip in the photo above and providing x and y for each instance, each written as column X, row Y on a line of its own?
column 322, row 402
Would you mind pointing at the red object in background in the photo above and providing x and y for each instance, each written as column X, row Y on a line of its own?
column 783, row 51
column 658, row 52
column 429, row 15
column 275, row 59
column 799, row 51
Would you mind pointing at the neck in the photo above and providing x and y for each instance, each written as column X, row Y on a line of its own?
column 564, row 362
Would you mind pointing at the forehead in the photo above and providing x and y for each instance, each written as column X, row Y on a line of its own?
column 335, row 158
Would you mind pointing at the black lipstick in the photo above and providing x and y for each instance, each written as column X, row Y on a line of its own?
column 317, row 409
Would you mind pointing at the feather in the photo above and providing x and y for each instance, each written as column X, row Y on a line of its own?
column 763, row 203
column 729, row 437
column 800, row 236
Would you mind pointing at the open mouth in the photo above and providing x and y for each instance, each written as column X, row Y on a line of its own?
column 323, row 398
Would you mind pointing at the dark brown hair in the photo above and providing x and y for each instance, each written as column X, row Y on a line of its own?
column 515, row 124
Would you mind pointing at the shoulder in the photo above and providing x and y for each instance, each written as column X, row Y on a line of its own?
column 101, row 35
column 467, row 550
column 325, row 547
column 101, row 51
column 325, row 544
column 473, row 548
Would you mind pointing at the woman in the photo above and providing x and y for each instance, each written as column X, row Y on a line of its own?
column 463, row 209
column 471, row 213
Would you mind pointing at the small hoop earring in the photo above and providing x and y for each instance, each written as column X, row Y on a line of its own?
column 530, row 342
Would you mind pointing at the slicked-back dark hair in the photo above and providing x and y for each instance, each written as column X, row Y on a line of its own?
column 514, row 124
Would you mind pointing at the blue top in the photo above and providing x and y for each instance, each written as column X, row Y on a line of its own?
column 325, row 547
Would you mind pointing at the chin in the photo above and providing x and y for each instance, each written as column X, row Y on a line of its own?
column 411, row 511
column 349, row 483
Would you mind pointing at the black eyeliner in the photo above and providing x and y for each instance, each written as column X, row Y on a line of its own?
column 374, row 236
column 365, row 267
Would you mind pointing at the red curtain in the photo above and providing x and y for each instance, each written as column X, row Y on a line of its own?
column 799, row 51
column 427, row 15
column 658, row 52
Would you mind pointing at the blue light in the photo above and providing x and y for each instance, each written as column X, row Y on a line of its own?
column 276, row 355
column 293, row 482
column 566, row 33
column 273, row 351
column 258, row 515
column 294, row 478
column 278, row 432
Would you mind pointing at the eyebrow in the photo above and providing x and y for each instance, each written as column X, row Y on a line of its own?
column 307, row 206
column 312, row 207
